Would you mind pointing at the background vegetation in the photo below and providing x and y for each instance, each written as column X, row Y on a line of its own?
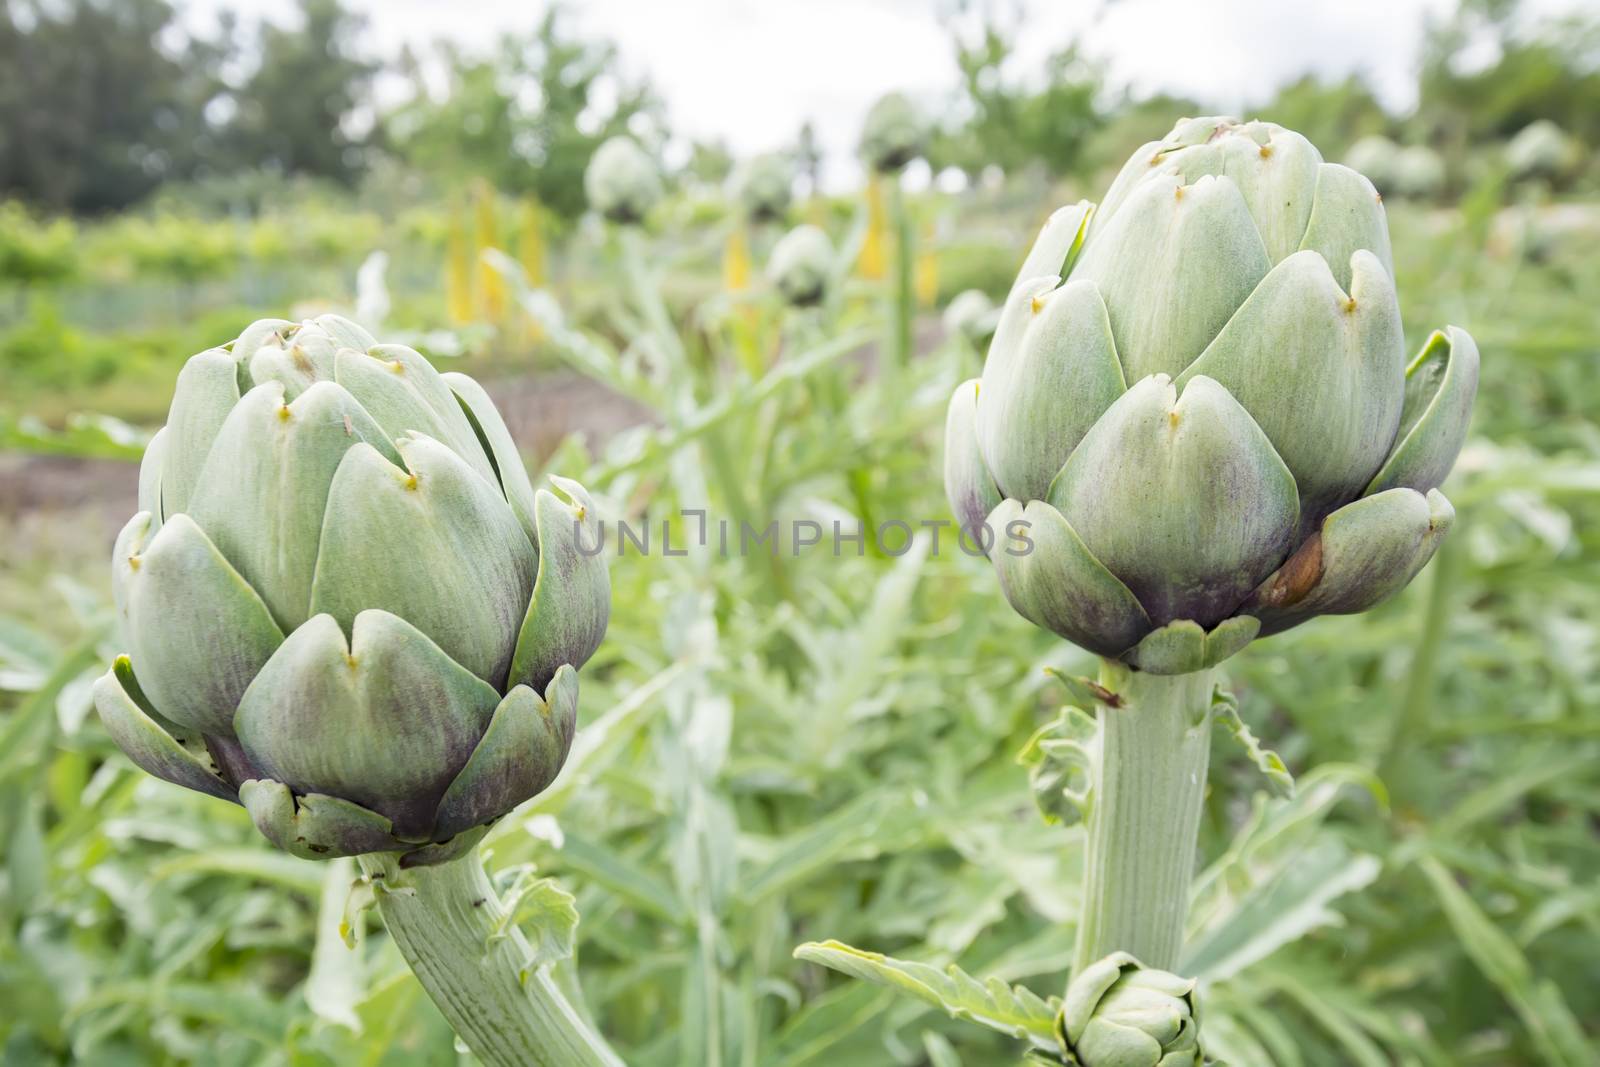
column 779, row 750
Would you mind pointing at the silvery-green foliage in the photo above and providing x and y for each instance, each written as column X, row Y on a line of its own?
column 801, row 265
column 894, row 133
column 1198, row 407
column 622, row 183
column 344, row 603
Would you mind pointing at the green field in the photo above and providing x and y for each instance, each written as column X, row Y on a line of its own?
column 813, row 744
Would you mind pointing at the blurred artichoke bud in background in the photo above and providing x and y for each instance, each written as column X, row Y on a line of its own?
column 622, row 182
column 1419, row 173
column 1118, row 1013
column 345, row 604
column 1197, row 398
column 1540, row 150
column 801, row 265
column 1375, row 156
column 970, row 315
column 765, row 186
column 894, row 134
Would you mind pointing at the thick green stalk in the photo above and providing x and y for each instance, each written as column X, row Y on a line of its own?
column 1149, row 786
column 447, row 920
column 903, row 300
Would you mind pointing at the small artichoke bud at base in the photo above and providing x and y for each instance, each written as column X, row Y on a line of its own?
column 622, row 182
column 345, row 605
column 1119, row 1013
column 801, row 265
column 1197, row 397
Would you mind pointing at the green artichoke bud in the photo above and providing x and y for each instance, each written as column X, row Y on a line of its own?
column 766, row 186
column 1118, row 1013
column 969, row 315
column 1418, row 172
column 894, row 134
column 1375, row 156
column 1197, row 400
column 622, row 182
column 1540, row 150
column 801, row 265
column 345, row 604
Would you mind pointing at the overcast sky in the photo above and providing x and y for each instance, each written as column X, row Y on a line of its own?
column 749, row 72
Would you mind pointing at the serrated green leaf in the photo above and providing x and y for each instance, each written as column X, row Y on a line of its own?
column 1012, row 1010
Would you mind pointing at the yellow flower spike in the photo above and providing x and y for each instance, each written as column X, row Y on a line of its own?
column 872, row 263
column 458, row 271
column 491, row 287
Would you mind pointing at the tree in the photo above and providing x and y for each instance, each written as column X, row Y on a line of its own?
column 298, row 112
column 95, row 109
column 525, row 117
column 1012, row 123
column 1546, row 69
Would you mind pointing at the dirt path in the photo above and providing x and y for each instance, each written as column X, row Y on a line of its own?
column 61, row 513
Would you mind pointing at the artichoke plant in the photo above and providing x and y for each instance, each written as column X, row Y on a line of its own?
column 1118, row 1013
column 346, row 606
column 1198, row 403
column 894, row 134
column 1419, row 173
column 622, row 183
column 766, row 186
column 970, row 315
column 801, row 265
column 1375, row 156
column 1540, row 150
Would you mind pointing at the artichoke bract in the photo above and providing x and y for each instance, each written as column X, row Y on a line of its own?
column 1198, row 402
column 622, row 183
column 801, row 265
column 893, row 135
column 1118, row 1013
column 345, row 604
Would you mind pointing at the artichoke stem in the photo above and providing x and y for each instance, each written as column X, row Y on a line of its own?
column 1149, row 787
column 447, row 921
column 902, row 301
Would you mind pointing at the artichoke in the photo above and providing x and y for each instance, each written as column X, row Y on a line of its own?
column 766, row 186
column 1418, row 172
column 346, row 607
column 801, row 265
column 1375, row 156
column 969, row 315
column 1118, row 1013
column 1197, row 402
column 1540, row 150
column 622, row 182
column 894, row 134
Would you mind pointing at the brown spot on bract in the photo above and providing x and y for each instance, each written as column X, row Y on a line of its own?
column 1297, row 577
column 1266, row 151
column 301, row 361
